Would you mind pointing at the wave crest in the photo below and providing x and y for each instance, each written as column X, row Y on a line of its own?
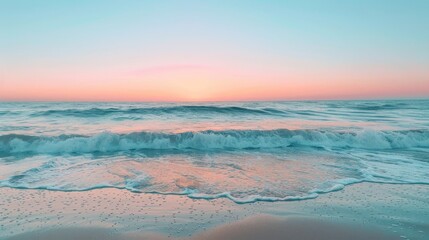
column 213, row 140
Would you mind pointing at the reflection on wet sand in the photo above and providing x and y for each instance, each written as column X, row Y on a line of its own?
column 110, row 213
column 254, row 228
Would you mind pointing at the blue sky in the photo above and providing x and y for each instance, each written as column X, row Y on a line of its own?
column 45, row 43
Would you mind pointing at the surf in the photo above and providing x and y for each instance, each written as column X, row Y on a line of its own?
column 214, row 140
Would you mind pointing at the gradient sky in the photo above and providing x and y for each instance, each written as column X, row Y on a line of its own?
column 158, row 50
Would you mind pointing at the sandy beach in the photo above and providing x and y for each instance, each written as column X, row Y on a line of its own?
column 361, row 211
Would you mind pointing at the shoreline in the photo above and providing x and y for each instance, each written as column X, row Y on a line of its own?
column 397, row 210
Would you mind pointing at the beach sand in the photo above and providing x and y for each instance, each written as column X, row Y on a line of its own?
column 360, row 211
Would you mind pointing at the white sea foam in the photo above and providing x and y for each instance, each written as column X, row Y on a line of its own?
column 206, row 140
column 62, row 146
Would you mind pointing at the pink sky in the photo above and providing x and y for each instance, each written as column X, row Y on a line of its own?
column 213, row 50
column 196, row 82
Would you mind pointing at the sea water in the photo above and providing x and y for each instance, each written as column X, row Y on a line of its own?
column 244, row 151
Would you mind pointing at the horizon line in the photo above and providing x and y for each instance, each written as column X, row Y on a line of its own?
column 216, row 101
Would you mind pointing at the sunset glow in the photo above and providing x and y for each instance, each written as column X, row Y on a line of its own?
column 207, row 51
column 214, row 119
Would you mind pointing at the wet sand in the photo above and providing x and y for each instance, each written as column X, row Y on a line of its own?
column 361, row 211
column 254, row 228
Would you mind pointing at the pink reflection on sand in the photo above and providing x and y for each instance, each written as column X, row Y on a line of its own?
column 246, row 175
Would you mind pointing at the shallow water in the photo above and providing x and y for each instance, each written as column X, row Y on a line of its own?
column 248, row 151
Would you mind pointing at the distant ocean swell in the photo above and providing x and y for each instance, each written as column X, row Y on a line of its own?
column 97, row 112
column 208, row 109
column 214, row 140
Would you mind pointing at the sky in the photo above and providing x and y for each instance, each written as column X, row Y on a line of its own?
column 213, row 50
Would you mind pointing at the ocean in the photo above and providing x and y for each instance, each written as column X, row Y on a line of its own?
column 242, row 151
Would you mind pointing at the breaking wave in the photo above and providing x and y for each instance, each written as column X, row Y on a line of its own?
column 214, row 140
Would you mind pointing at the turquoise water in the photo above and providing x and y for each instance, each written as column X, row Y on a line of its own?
column 244, row 151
